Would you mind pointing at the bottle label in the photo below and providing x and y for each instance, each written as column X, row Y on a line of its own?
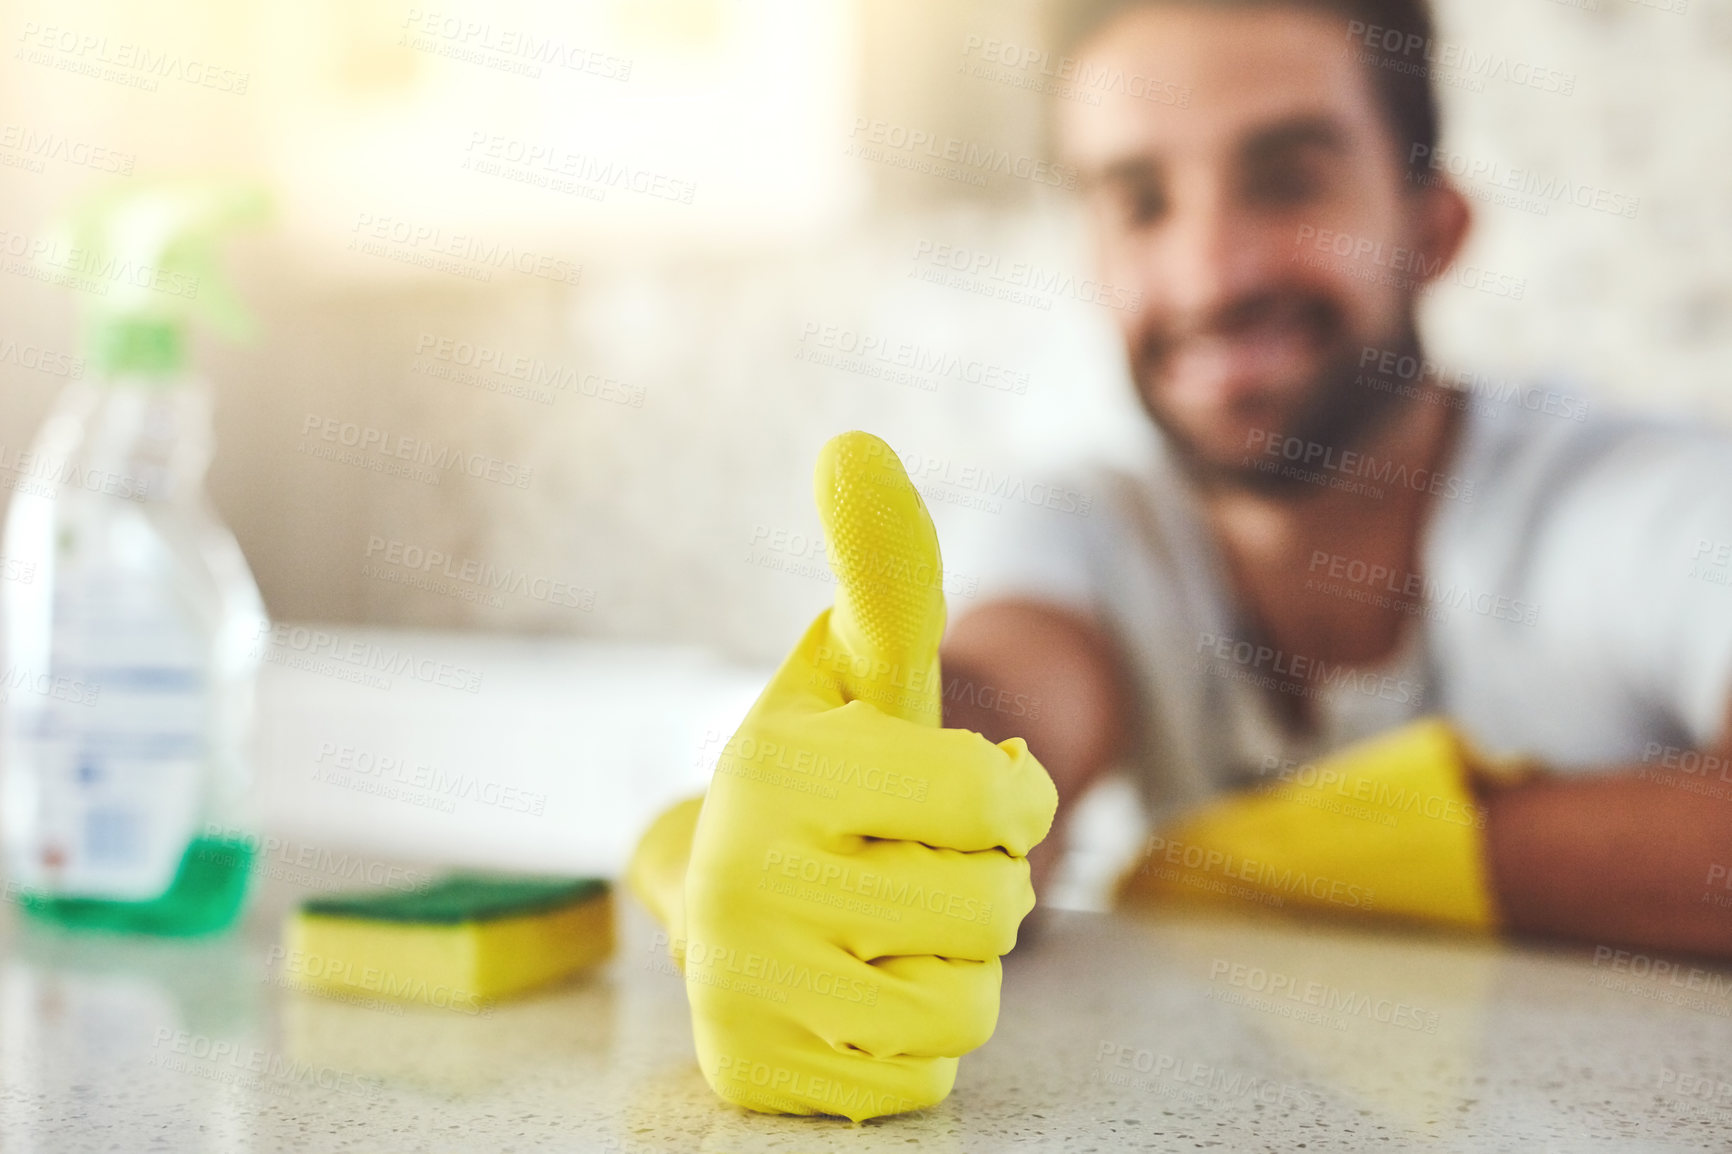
column 117, row 766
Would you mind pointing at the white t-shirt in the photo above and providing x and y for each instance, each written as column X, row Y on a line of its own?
column 1574, row 604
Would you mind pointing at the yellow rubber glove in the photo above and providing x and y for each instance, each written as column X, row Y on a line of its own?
column 856, row 871
column 1389, row 827
column 657, row 872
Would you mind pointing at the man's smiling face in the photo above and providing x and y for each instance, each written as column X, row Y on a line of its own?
column 1202, row 207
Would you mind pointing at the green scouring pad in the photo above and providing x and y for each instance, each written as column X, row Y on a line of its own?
column 461, row 942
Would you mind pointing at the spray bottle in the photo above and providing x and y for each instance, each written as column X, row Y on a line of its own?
column 131, row 624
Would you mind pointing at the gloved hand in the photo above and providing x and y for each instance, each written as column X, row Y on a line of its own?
column 856, row 871
column 1388, row 827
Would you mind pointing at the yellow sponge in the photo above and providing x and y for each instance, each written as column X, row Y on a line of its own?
column 460, row 943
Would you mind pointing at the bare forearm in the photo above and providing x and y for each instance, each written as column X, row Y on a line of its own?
column 1613, row 860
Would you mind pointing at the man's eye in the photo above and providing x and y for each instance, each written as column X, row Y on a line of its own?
column 1283, row 184
column 1141, row 205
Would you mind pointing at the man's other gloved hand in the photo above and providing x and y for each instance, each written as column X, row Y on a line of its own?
column 1390, row 827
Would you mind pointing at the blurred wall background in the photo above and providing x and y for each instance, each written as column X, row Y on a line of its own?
column 641, row 256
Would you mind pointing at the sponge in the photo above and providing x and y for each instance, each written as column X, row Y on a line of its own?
column 460, row 943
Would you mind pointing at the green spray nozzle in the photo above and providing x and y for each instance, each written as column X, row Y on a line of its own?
column 154, row 250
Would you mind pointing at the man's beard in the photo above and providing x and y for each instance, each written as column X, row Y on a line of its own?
column 1339, row 413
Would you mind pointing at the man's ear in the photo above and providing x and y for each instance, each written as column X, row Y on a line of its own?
column 1441, row 217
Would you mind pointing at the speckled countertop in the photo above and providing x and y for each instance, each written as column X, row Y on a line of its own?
column 1179, row 1032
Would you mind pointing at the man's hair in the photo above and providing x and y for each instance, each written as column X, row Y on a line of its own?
column 1400, row 75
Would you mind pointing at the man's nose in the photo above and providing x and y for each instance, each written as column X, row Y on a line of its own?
column 1215, row 254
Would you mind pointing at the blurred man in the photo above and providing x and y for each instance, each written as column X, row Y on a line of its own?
column 1330, row 543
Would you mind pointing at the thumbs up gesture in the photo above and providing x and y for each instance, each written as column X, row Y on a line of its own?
column 856, row 870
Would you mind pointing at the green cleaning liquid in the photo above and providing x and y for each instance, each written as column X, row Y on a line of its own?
column 206, row 896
